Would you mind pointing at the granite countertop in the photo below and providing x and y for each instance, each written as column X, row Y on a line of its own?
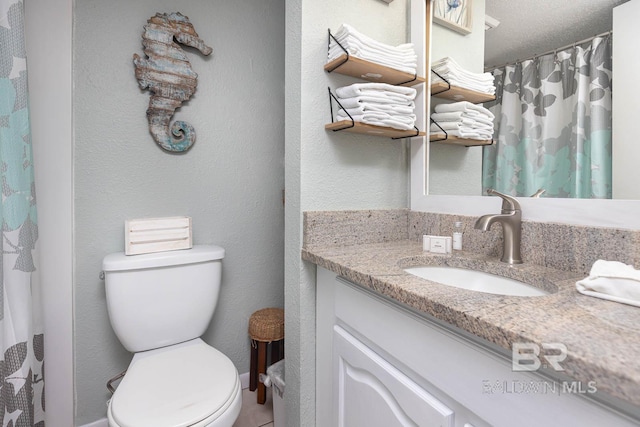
column 602, row 337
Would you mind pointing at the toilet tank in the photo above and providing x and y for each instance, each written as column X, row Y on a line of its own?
column 164, row 298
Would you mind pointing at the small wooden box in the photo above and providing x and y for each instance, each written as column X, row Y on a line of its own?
column 147, row 235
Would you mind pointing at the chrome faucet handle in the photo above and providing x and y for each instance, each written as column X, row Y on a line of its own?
column 538, row 193
column 509, row 204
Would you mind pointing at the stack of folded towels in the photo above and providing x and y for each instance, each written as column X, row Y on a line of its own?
column 402, row 57
column 464, row 120
column 378, row 104
column 612, row 280
column 458, row 76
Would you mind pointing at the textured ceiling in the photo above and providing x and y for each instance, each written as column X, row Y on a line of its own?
column 529, row 27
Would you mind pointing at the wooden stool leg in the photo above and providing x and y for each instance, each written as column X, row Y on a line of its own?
column 275, row 352
column 253, row 367
column 262, row 369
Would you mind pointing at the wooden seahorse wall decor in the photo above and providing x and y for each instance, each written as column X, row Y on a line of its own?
column 167, row 73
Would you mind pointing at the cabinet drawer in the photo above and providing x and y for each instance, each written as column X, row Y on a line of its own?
column 372, row 392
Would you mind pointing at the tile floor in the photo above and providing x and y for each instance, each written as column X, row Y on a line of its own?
column 252, row 414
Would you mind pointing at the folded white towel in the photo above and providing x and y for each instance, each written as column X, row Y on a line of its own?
column 489, row 89
column 383, row 102
column 485, row 79
column 462, row 116
column 379, row 115
column 387, row 122
column 379, row 102
column 347, row 31
column 458, row 76
column 401, row 93
column 466, row 134
column 463, row 106
column 391, row 109
column 612, row 280
column 408, row 67
column 449, row 66
column 468, row 126
column 402, row 57
column 352, row 43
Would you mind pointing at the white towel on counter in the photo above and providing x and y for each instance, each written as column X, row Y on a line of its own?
column 612, row 280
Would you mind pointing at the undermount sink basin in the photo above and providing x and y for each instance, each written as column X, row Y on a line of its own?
column 475, row 281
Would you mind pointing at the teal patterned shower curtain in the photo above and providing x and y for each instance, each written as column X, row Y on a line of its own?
column 553, row 125
column 21, row 330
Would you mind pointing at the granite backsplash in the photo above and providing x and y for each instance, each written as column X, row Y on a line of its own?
column 561, row 246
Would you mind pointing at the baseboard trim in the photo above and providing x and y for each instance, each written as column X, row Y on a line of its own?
column 244, row 380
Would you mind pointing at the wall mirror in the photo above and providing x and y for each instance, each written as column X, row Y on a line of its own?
column 531, row 29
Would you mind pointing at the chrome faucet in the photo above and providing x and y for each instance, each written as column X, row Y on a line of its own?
column 511, row 220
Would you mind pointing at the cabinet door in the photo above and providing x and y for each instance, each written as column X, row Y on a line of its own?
column 371, row 392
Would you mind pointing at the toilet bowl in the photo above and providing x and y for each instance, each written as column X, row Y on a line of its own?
column 159, row 305
column 189, row 384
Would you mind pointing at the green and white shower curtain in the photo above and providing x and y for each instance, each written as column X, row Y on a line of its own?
column 21, row 330
column 553, row 125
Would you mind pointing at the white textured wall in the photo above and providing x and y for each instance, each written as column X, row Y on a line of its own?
column 327, row 170
column 343, row 170
column 230, row 182
column 626, row 104
column 455, row 169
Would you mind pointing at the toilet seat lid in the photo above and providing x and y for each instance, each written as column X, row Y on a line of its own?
column 176, row 386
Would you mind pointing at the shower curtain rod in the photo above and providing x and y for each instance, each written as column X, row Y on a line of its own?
column 534, row 56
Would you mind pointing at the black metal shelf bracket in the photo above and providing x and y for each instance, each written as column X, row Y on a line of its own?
column 446, row 135
column 341, row 47
column 332, row 96
column 415, row 77
column 409, row 136
column 444, row 80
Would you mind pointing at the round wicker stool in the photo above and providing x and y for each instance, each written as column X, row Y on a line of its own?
column 266, row 327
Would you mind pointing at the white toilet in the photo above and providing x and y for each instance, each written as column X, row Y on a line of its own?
column 159, row 305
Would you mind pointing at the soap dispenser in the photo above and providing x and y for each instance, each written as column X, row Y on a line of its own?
column 457, row 236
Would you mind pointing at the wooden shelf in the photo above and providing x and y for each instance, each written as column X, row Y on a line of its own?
column 454, row 140
column 459, row 94
column 370, row 71
column 363, row 128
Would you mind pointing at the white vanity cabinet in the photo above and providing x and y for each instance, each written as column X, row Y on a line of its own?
column 378, row 364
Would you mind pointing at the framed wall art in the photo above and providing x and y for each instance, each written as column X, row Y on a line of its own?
column 453, row 14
